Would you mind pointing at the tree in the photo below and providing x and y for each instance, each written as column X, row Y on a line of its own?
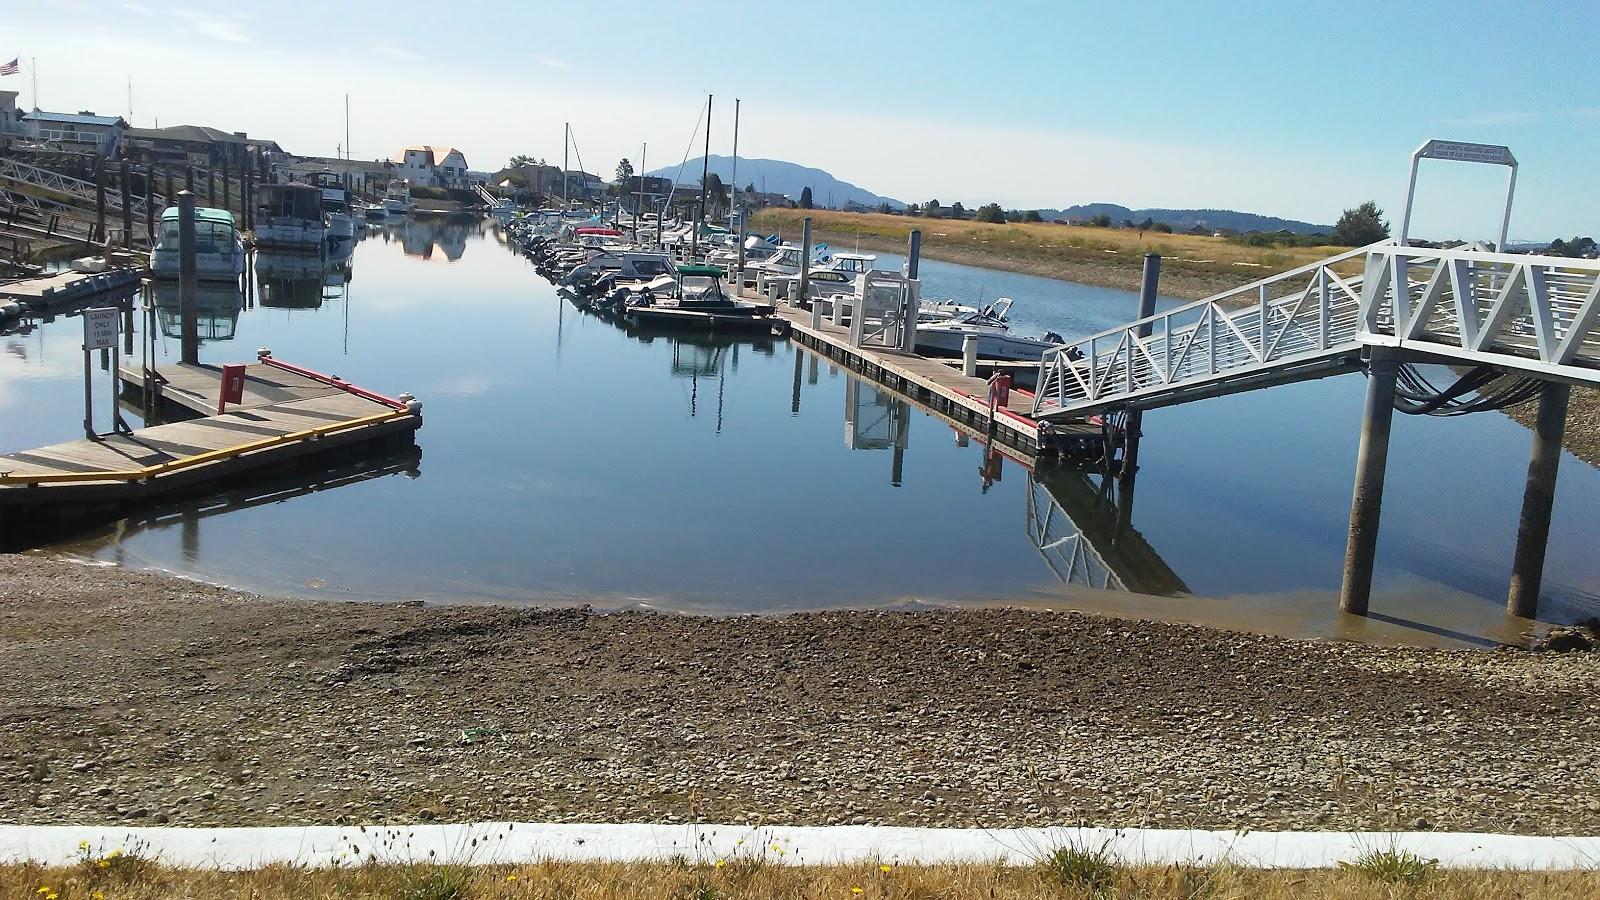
column 1162, row 227
column 1147, row 224
column 750, row 188
column 957, row 211
column 716, row 195
column 913, row 210
column 885, row 208
column 1361, row 226
column 931, row 209
column 1577, row 248
column 523, row 159
column 1101, row 221
column 991, row 212
column 805, row 197
column 1032, row 215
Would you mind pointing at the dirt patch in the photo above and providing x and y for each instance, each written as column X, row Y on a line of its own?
column 141, row 698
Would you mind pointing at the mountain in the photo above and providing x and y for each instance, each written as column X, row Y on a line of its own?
column 779, row 177
column 1185, row 219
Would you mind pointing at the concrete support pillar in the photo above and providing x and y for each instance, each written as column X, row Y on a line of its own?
column 188, row 313
column 1538, row 498
column 1366, row 503
column 969, row 356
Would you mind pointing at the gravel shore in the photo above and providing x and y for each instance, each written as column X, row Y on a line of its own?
column 147, row 699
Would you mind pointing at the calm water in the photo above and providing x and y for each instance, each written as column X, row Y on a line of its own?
column 563, row 458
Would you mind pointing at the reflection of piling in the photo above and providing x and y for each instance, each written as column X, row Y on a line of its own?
column 1147, row 308
column 1533, row 530
column 794, row 400
column 187, row 311
column 1367, row 501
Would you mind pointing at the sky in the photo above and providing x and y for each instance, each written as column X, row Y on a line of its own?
column 1286, row 108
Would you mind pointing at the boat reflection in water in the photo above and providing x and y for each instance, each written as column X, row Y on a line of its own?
column 704, row 358
column 1073, row 517
column 217, row 307
column 299, row 280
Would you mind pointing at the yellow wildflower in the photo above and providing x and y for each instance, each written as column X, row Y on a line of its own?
column 855, row 890
column 43, row 889
column 97, row 896
column 83, row 845
column 103, row 864
column 511, row 877
column 719, row 864
column 885, row 868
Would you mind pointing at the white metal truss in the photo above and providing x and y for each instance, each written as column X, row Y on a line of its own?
column 22, row 178
column 1065, row 547
column 1536, row 314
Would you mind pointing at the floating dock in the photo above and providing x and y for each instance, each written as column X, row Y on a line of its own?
column 288, row 415
column 41, row 293
column 941, row 387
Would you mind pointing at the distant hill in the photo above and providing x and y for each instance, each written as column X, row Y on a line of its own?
column 779, row 177
column 1185, row 219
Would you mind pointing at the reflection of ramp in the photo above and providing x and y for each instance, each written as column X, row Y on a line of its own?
column 873, row 419
column 1075, row 526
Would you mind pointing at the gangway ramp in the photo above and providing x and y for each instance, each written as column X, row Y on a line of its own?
column 1520, row 313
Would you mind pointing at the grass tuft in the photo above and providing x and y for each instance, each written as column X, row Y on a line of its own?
column 436, row 884
column 1082, row 869
column 1393, row 867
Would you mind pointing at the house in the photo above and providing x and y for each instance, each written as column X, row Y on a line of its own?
column 84, row 131
column 432, row 166
column 196, row 145
column 655, row 189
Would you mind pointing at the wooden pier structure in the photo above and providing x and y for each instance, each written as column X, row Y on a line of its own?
column 287, row 415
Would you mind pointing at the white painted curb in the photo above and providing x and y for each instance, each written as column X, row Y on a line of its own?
column 491, row 843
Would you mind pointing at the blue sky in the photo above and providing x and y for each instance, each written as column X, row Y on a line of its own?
column 1283, row 108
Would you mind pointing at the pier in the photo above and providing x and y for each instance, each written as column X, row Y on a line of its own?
column 285, row 414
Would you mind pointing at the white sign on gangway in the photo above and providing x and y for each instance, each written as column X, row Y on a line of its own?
column 1462, row 151
column 101, row 327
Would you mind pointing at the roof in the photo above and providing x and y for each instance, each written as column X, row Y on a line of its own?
column 73, row 118
column 715, row 271
column 437, row 153
column 201, row 214
column 197, row 133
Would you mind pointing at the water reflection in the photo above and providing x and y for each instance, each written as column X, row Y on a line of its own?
column 217, row 306
column 299, row 280
column 422, row 237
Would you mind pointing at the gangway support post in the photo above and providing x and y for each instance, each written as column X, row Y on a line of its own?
column 1147, row 308
column 188, row 312
column 1538, row 498
column 1366, row 504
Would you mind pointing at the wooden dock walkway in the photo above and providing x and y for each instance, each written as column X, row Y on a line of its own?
column 287, row 415
column 941, row 387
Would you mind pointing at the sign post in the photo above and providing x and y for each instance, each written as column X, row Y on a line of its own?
column 100, row 330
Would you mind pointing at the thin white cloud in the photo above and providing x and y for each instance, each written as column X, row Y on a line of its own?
column 231, row 30
column 551, row 62
column 1519, row 117
column 137, row 8
column 396, row 53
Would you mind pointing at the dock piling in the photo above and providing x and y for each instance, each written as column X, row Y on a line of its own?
column 969, row 356
column 913, row 253
column 100, row 200
column 805, row 258
column 1538, row 498
column 1366, row 503
column 227, row 185
column 187, row 310
column 127, row 204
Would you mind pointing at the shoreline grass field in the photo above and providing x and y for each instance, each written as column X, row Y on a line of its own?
column 1065, row 873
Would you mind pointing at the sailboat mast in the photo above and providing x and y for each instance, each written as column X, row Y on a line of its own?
column 705, row 173
column 638, row 207
column 566, row 131
column 347, row 127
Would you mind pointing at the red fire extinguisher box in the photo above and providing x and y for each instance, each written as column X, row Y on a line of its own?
column 232, row 386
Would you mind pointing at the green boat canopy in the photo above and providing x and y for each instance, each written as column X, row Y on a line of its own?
column 714, row 271
column 201, row 214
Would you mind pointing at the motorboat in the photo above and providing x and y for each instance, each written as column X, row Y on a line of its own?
column 218, row 250
column 702, row 303
column 995, row 340
column 375, row 211
column 336, row 206
column 624, row 265
column 397, row 199
column 290, row 217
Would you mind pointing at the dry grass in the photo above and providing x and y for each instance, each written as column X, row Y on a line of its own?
column 1192, row 265
column 760, row 879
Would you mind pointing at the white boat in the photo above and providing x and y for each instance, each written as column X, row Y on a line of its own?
column 397, row 199
column 218, row 251
column 503, row 210
column 289, row 216
column 336, row 206
column 995, row 340
column 376, row 212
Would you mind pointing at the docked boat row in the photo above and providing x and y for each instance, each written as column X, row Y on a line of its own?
column 601, row 265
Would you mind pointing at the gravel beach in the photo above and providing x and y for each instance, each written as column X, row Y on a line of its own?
column 148, row 699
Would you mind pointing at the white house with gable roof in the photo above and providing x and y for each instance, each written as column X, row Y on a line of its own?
column 432, row 165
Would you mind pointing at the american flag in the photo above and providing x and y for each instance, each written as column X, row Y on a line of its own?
column 10, row 68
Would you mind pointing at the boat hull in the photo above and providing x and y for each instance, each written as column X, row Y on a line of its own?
column 990, row 346
column 227, row 265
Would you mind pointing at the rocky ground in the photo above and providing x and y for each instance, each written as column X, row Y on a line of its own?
column 145, row 699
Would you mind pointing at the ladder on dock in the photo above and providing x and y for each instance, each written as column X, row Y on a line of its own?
column 1535, row 315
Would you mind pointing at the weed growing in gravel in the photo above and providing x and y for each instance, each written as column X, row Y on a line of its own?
column 97, row 866
column 1080, row 868
column 1393, row 866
